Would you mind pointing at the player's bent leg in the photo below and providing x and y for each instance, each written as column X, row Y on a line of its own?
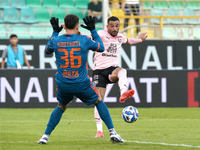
column 126, row 95
column 53, row 121
column 123, row 84
column 105, row 116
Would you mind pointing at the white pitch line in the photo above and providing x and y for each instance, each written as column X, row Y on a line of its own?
column 139, row 142
column 1, row 121
column 167, row 144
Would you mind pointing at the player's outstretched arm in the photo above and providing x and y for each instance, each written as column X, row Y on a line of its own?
column 56, row 29
column 90, row 25
column 142, row 37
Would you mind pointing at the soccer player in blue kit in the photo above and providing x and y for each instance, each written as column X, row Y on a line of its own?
column 71, row 56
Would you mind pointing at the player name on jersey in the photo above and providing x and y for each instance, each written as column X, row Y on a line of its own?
column 64, row 44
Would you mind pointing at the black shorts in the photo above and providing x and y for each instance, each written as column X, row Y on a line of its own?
column 100, row 76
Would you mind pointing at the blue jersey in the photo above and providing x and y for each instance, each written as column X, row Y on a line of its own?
column 71, row 54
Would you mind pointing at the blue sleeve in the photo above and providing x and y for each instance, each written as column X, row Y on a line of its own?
column 49, row 48
column 97, row 44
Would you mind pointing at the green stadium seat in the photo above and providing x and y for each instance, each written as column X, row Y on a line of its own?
column 37, row 32
column 42, row 15
column 169, row 33
column 34, row 3
column 21, row 32
column 82, row 4
column 59, row 13
column 11, row 15
column 189, row 12
column 192, row 5
column 50, row 3
column 3, row 34
column 196, row 31
column 66, row 4
column 27, row 15
column 4, row 4
column 157, row 12
column 18, row 3
column 147, row 5
column 176, row 5
column 77, row 12
column 160, row 5
column 173, row 12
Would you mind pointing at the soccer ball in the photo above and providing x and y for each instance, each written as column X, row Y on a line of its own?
column 130, row 114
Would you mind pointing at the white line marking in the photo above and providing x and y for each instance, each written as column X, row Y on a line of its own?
column 113, row 120
column 139, row 142
column 167, row 144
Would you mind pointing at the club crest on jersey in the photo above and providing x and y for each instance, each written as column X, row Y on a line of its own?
column 96, row 77
column 120, row 40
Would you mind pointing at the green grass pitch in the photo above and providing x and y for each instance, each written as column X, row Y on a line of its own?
column 155, row 129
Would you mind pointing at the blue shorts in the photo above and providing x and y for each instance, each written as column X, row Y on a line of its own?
column 86, row 91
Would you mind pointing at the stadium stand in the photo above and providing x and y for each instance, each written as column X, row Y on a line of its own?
column 156, row 12
column 21, row 32
column 37, row 32
column 59, row 13
column 3, row 34
column 27, row 15
column 176, row 5
column 18, row 4
column 38, row 12
column 173, row 12
column 11, row 15
column 189, row 12
column 69, row 4
column 191, row 4
column 42, row 15
column 81, row 4
column 4, row 4
column 34, row 3
column 1, row 20
column 161, row 5
column 50, row 3
column 147, row 5
column 77, row 12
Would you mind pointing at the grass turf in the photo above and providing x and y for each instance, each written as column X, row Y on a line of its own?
column 156, row 128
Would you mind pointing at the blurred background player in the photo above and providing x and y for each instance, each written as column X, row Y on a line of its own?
column 106, row 69
column 15, row 54
column 71, row 56
column 95, row 10
column 132, row 7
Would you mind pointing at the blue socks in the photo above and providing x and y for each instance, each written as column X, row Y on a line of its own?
column 54, row 120
column 104, row 114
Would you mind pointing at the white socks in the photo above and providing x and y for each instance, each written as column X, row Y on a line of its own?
column 98, row 120
column 123, row 83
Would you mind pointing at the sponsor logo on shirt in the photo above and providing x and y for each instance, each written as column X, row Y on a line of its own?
column 107, row 55
column 112, row 48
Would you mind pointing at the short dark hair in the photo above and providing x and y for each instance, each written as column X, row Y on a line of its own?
column 113, row 18
column 71, row 21
column 13, row 35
